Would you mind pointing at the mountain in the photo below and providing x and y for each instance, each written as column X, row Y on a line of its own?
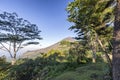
column 56, row 46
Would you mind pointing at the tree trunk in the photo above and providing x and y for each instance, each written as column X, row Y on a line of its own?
column 94, row 56
column 116, row 44
column 13, row 61
column 94, row 51
column 14, row 54
column 105, row 51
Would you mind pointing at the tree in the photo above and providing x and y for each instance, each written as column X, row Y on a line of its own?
column 116, row 44
column 16, row 33
column 78, row 50
column 92, row 19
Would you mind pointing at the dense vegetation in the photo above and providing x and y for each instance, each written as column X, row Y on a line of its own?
column 55, row 67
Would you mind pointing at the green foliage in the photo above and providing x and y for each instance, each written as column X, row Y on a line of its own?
column 77, row 52
column 2, row 59
column 47, row 68
column 56, row 55
column 64, row 42
column 93, row 24
column 91, row 18
column 43, row 68
column 86, row 72
column 4, row 67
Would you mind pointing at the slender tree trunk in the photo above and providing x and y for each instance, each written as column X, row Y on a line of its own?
column 94, row 56
column 14, row 56
column 106, row 53
column 116, row 44
column 94, row 51
column 92, row 47
column 13, row 61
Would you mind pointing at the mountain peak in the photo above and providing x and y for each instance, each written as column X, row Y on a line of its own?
column 55, row 46
column 70, row 39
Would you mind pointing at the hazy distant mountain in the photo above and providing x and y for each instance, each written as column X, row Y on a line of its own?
column 56, row 46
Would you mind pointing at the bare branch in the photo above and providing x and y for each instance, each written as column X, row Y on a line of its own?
column 10, row 46
column 19, row 47
column 6, row 49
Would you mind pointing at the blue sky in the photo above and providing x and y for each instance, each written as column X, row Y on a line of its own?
column 49, row 15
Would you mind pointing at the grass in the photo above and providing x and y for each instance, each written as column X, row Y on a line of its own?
column 89, row 72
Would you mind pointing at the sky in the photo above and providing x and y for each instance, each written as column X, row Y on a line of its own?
column 49, row 15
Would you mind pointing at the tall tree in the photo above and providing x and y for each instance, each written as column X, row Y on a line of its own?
column 15, row 33
column 116, row 43
column 92, row 19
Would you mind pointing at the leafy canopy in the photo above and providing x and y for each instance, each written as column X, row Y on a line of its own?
column 90, row 16
column 16, row 29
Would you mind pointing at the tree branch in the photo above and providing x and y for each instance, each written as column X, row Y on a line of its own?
column 19, row 47
column 106, row 53
column 6, row 49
